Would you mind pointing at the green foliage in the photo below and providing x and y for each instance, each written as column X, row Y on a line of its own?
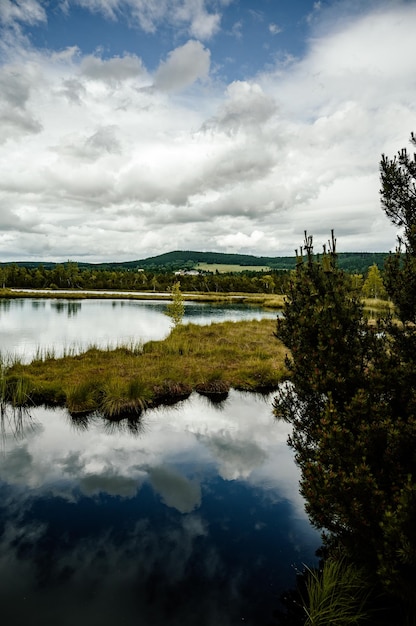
column 336, row 595
column 398, row 198
column 373, row 286
column 398, row 193
column 176, row 309
column 17, row 390
column 83, row 396
column 351, row 401
column 325, row 330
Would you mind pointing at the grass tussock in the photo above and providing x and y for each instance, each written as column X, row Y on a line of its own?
column 125, row 381
column 336, row 595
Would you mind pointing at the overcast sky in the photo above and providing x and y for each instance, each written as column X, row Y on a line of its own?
column 129, row 128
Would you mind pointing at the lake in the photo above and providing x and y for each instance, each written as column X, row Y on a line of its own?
column 188, row 516
column 30, row 324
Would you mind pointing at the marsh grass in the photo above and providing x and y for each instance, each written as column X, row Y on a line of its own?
column 127, row 379
column 336, row 595
column 121, row 399
column 83, row 396
column 14, row 389
column 50, row 353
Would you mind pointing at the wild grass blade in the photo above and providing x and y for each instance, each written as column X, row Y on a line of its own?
column 336, row 595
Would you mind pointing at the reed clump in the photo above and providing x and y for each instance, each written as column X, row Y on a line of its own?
column 125, row 381
column 337, row 594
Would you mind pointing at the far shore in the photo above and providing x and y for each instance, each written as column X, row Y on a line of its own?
column 273, row 301
column 266, row 300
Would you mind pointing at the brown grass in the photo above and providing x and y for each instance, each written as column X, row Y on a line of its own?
column 243, row 355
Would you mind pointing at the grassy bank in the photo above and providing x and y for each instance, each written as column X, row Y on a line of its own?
column 209, row 359
column 272, row 301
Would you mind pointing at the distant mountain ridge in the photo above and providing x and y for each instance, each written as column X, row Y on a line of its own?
column 188, row 259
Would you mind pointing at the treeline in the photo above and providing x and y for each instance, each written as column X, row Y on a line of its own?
column 72, row 276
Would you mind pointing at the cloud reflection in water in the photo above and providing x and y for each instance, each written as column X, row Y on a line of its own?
column 194, row 519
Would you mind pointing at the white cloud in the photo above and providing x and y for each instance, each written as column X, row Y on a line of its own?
column 149, row 15
column 183, row 67
column 237, row 29
column 88, row 148
column 113, row 70
column 246, row 104
column 239, row 241
column 103, row 141
column 274, row 29
column 24, row 11
column 16, row 85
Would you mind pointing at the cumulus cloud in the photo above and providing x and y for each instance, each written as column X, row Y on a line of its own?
column 15, row 123
column 202, row 24
column 244, row 165
column 15, row 89
column 103, row 141
column 239, row 241
column 246, row 105
column 183, row 67
column 111, row 70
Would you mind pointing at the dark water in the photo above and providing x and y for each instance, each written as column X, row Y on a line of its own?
column 191, row 516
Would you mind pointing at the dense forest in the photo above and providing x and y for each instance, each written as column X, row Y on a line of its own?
column 357, row 262
column 157, row 273
column 71, row 276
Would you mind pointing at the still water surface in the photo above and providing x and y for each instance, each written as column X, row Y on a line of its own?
column 190, row 516
column 29, row 324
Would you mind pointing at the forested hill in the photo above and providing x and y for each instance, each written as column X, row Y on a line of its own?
column 357, row 262
column 191, row 258
column 351, row 261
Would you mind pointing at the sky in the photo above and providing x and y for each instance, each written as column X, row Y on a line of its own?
column 130, row 128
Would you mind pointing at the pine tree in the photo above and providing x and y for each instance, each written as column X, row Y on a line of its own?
column 398, row 199
column 351, row 399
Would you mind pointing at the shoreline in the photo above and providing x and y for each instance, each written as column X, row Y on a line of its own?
column 272, row 301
